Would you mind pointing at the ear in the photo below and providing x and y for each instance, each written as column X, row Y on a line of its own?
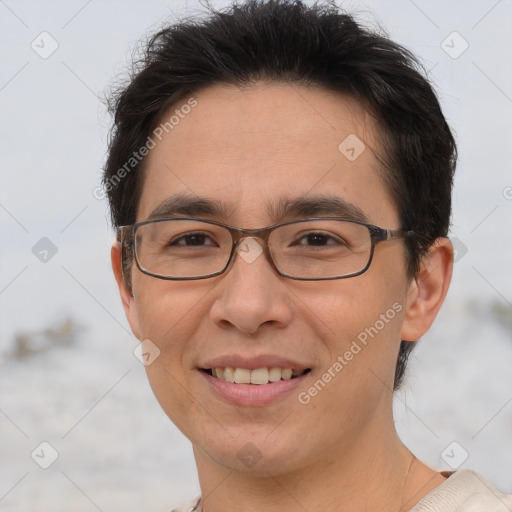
column 127, row 298
column 428, row 290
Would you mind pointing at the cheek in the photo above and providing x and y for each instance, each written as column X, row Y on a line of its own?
column 170, row 314
column 343, row 309
column 358, row 321
column 167, row 309
column 360, row 332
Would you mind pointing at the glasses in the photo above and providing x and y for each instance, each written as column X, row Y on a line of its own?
column 310, row 249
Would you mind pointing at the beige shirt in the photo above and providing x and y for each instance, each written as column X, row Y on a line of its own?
column 463, row 491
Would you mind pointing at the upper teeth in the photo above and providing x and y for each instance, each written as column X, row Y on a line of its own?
column 257, row 376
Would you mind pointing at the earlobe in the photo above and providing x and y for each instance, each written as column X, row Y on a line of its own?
column 126, row 294
column 428, row 290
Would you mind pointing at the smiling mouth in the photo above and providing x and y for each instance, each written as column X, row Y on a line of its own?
column 258, row 376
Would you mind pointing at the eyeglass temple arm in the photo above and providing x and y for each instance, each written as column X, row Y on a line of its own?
column 392, row 234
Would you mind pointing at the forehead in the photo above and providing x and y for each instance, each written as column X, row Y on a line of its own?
column 254, row 147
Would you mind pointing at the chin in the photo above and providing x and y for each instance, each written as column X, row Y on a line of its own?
column 255, row 451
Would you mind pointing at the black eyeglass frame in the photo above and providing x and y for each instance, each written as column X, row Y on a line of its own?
column 126, row 235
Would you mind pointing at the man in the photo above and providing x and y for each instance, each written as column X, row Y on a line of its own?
column 280, row 179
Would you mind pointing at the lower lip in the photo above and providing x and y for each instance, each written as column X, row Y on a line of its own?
column 253, row 395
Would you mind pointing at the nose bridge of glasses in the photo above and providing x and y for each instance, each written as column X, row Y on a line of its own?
column 241, row 237
column 239, row 234
column 250, row 244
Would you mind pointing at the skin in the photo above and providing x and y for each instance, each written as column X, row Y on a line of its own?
column 247, row 148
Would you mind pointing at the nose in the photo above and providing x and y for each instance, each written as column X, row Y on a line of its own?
column 250, row 293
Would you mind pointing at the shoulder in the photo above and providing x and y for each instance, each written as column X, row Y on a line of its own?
column 465, row 491
column 189, row 506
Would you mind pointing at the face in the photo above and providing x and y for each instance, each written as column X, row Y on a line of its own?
column 247, row 151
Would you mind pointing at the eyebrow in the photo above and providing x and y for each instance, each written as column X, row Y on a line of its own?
column 283, row 209
column 189, row 206
column 316, row 206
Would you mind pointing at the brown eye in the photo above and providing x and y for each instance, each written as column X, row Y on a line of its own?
column 318, row 240
column 193, row 240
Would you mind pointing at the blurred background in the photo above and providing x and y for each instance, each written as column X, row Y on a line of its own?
column 68, row 375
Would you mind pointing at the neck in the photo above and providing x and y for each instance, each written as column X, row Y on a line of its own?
column 377, row 472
